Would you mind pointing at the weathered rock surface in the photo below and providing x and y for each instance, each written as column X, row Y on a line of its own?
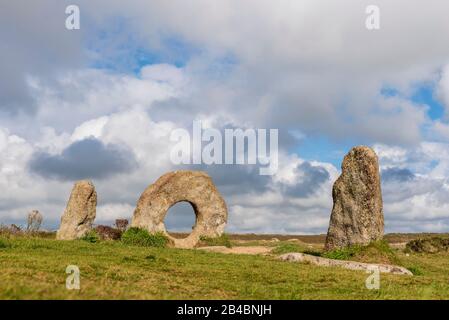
column 357, row 214
column 352, row 265
column 80, row 212
column 195, row 187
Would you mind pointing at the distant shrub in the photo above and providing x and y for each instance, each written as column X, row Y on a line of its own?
column 15, row 231
column 91, row 237
column 222, row 240
column 108, row 233
column 430, row 245
column 141, row 237
column 11, row 230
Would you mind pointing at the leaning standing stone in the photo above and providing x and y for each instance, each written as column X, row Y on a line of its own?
column 357, row 214
column 80, row 212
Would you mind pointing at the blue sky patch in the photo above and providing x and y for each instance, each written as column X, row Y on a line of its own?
column 426, row 95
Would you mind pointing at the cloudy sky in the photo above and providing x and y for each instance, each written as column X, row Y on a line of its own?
column 101, row 102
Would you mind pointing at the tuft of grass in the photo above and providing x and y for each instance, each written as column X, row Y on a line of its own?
column 4, row 244
column 92, row 237
column 415, row 270
column 375, row 252
column 141, row 237
column 222, row 240
column 347, row 253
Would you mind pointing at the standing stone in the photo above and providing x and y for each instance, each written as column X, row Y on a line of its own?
column 357, row 216
column 194, row 187
column 34, row 221
column 79, row 213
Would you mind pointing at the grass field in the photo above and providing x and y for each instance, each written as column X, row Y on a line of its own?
column 34, row 268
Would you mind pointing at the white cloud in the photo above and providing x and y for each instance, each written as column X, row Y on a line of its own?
column 308, row 66
column 89, row 93
column 283, row 205
column 443, row 89
column 421, row 202
column 91, row 128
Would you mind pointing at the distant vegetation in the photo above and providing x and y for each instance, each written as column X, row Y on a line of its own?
column 429, row 245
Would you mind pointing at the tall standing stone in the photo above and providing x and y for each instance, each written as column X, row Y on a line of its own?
column 80, row 212
column 357, row 214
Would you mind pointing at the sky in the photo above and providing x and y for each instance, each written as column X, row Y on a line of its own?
column 100, row 103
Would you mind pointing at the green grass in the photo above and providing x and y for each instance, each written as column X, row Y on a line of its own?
column 343, row 254
column 34, row 268
column 222, row 240
column 141, row 237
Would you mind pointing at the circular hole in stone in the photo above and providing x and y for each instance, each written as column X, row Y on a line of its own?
column 180, row 220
